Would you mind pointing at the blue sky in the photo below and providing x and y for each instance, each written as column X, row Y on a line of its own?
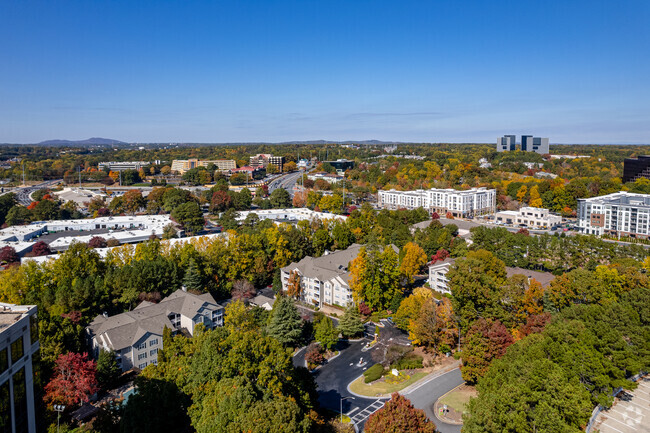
column 431, row 71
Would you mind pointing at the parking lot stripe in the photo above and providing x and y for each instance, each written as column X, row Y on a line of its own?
column 609, row 426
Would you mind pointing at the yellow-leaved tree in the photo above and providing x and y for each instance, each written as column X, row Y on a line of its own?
column 535, row 198
column 414, row 260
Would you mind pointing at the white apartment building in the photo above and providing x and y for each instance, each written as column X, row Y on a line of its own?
column 532, row 217
column 127, row 165
column 438, row 275
column 18, row 347
column 331, row 178
column 290, row 215
column 463, row 204
column 136, row 336
column 618, row 214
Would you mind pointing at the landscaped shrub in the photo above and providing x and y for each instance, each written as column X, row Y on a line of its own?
column 409, row 361
column 373, row 373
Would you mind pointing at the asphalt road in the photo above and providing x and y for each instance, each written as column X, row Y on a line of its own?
column 427, row 393
column 286, row 182
column 23, row 194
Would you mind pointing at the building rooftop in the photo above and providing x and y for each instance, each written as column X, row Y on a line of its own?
column 621, row 198
column 11, row 313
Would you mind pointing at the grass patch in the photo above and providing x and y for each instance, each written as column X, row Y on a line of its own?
column 458, row 398
column 382, row 387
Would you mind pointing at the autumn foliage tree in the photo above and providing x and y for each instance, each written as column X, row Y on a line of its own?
column 486, row 341
column 242, row 289
column 8, row 255
column 293, row 285
column 399, row 416
column 414, row 260
column 74, row 380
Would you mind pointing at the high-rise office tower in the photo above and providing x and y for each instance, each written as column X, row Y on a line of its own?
column 506, row 143
column 526, row 143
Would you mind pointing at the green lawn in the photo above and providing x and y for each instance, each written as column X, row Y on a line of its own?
column 381, row 387
column 458, row 398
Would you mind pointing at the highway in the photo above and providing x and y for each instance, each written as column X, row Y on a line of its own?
column 286, row 182
column 23, row 194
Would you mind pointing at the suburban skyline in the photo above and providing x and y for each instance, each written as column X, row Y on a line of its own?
column 279, row 71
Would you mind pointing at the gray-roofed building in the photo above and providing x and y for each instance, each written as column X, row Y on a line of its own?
column 136, row 336
column 324, row 280
column 544, row 278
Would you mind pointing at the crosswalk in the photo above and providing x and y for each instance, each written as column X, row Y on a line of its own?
column 365, row 413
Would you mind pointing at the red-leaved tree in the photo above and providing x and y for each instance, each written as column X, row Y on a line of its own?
column 399, row 416
column 74, row 380
column 40, row 248
column 364, row 309
column 97, row 242
column 486, row 341
column 440, row 255
column 8, row 255
column 435, row 216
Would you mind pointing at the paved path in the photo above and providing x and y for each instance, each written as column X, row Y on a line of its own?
column 630, row 412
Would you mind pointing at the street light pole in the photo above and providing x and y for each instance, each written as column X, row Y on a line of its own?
column 58, row 408
column 344, row 398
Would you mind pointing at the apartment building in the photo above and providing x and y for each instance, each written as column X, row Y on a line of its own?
column 324, row 280
column 262, row 160
column 18, row 349
column 461, row 204
column 618, row 214
column 438, row 275
column 136, row 336
column 532, row 217
column 183, row 165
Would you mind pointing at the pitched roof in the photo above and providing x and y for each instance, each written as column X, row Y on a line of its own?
column 329, row 265
column 544, row 278
column 124, row 330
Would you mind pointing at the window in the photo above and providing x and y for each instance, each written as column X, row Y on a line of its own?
column 4, row 360
column 153, row 342
column 17, row 350
column 142, row 366
column 33, row 328
column 153, row 352
column 5, row 408
column 20, row 400
column 141, row 346
column 142, row 356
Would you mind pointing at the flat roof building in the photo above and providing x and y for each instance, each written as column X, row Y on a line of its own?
column 464, row 204
column 18, row 348
column 618, row 214
column 183, row 165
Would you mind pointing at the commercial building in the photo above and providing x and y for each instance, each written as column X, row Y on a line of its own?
column 635, row 168
column 618, row 214
column 461, row 204
column 289, row 215
column 532, row 217
column 136, row 336
column 121, row 166
column 331, row 178
column 183, row 165
column 125, row 229
column 528, row 144
column 506, row 143
column 18, row 353
column 324, row 280
column 264, row 159
column 341, row 165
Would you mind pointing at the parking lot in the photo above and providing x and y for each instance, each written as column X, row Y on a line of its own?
column 630, row 412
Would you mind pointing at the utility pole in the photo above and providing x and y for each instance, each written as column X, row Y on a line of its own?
column 23, row 174
column 79, row 170
column 120, row 177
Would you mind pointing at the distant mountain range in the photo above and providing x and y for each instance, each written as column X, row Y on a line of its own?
column 94, row 141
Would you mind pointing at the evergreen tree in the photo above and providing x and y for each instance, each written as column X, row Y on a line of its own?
column 193, row 280
column 350, row 324
column 285, row 324
column 107, row 369
column 326, row 334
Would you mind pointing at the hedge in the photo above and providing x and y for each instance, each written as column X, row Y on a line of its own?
column 373, row 373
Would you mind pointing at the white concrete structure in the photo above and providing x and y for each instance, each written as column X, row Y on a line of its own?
column 183, row 165
column 290, row 215
column 136, row 336
column 618, row 214
column 127, row 229
column 463, row 204
column 79, row 196
column 327, row 177
column 18, row 344
column 531, row 217
column 438, row 275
